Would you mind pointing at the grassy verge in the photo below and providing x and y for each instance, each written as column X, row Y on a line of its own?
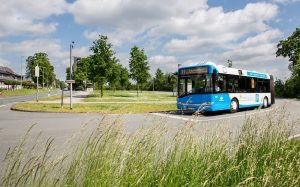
column 129, row 96
column 259, row 156
column 52, row 98
column 97, row 108
column 9, row 93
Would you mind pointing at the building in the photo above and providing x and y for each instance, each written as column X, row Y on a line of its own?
column 7, row 74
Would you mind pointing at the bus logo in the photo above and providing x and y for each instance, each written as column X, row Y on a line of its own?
column 257, row 97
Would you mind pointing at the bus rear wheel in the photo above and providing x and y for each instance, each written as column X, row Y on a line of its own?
column 265, row 102
column 234, row 106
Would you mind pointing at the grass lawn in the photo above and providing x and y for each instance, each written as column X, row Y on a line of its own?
column 8, row 93
column 52, row 98
column 120, row 108
column 129, row 96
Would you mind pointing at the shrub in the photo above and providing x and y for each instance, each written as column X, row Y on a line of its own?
column 29, row 85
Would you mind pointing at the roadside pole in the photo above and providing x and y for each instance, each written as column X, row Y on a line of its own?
column 37, row 82
column 22, row 72
column 62, row 98
column 71, row 86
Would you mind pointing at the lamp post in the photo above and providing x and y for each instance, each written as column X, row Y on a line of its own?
column 71, row 46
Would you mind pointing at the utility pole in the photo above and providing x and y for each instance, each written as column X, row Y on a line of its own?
column 71, row 46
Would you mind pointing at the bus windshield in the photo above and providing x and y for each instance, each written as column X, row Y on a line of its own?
column 195, row 84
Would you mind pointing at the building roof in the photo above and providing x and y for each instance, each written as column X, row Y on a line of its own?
column 8, row 71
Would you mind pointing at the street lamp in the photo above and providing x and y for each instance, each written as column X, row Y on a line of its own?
column 71, row 46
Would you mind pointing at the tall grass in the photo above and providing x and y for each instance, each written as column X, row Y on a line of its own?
column 260, row 155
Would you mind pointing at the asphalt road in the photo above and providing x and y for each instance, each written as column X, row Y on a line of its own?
column 8, row 100
column 63, row 127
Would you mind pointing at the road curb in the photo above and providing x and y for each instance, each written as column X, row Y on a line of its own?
column 71, row 112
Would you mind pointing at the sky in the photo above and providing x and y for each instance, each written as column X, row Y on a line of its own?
column 171, row 32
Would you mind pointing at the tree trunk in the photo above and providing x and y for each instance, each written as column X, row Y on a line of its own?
column 173, row 90
column 101, row 90
column 137, row 90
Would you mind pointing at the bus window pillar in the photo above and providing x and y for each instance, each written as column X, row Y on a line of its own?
column 214, row 78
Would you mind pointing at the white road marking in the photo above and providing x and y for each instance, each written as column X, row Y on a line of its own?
column 294, row 136
column 2, row 106
column 202, row 120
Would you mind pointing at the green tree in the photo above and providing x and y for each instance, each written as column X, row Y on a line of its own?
column 114, row 76
column 29, row 85
column 46, row 69
column 102, row 61
column 172, row 79
column 124, row 78
column 80, row 75
column 159, row 81
column 279, row 88
column 291, row 48
column 67, row 73
column 139, row 68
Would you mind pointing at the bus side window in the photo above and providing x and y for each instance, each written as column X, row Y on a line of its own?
column 221, row 83
column 231, row 84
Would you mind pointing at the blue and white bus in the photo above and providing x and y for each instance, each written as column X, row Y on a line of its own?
column 211, row 87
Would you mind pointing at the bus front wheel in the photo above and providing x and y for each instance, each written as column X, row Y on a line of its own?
column 234, row 106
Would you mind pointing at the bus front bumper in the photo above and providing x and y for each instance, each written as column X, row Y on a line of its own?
column 206, row 106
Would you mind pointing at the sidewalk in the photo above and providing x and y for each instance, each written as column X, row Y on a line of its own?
column 79, row 95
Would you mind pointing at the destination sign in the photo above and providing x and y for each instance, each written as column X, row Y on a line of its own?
column 194, row 70
column 255, row 74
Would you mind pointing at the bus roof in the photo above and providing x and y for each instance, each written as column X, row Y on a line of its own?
column 231, row 71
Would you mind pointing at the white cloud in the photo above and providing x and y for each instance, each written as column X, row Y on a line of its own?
column 194, row 27
column 58, row 55
column 127, row 20
column 255, row 50
column 165, row 63
column 192, row 45
column 285, row 1
column 213, row 28
column 26, row 16
column 130, row 13
column 4, row 62
column 29, row 47
column 116, row 37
